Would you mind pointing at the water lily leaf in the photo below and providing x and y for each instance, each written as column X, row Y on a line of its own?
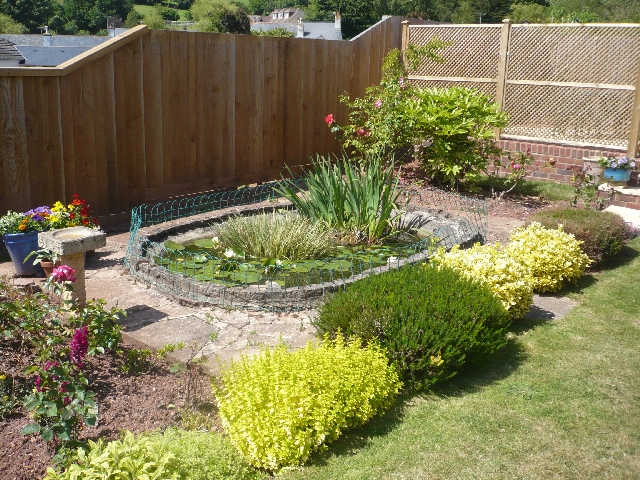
column 204, row 243
column 171, row 245
column 245, row 277
column 200, row 258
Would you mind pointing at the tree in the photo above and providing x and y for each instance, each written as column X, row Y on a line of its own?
column 30, row 13
column 9, row 25
column 220, row 16
column 91, row 15
column 357, row 15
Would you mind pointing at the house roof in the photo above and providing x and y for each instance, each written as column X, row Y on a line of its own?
column 56, row 40
column 48, row 56
column 318, row 30
column 8, row 51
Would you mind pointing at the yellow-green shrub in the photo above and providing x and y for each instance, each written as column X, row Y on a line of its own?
column 509, row 280
column 281, row 405
column 552, row 257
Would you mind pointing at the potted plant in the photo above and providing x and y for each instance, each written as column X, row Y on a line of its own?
column 617, row 170
column 20, row 235
column 47, row 259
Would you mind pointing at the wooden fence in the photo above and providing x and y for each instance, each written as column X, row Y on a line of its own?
column 572, row 84
column 153, row 114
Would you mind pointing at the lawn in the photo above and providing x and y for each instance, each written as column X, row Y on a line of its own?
column 145, row 9
column 561, row 401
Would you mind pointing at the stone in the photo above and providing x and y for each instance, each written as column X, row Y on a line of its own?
column 72, row 240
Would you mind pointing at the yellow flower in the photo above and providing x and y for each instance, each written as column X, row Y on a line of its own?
column 57, row 207
column 2, row 377
column 22, row 227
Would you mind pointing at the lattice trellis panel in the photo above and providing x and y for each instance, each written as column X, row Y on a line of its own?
column 488, row 88
column 474, row 51
column 574, row 53
column 564, row 114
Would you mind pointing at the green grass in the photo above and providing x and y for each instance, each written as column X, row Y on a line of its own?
column 562, row 400
column 550, row 191
column 145, row 9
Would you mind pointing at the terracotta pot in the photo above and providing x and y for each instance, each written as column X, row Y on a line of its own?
column 48, row 266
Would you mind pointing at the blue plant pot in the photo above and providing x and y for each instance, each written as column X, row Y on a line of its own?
column 19, row 246
column 616, row 175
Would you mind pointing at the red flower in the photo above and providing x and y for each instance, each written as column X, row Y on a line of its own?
column 78, row 203
column 85, row 221
column 75, row 195
column 84, row 211
column 360, row 131
column 329, row 119
column 72, row 216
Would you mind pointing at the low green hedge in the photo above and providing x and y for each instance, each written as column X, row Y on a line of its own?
column 430, row 320
column 602, row 234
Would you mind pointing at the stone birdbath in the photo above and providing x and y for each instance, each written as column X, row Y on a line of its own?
column 71, row 244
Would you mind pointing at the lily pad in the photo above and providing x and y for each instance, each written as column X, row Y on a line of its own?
column 204, row 243
column 171, row 245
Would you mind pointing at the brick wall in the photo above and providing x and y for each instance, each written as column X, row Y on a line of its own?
column 552, row 162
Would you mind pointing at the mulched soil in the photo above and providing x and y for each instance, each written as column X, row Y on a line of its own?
column 146, row 401
column 139, row 403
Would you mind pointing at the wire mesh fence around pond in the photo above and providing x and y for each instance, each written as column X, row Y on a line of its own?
column 171, row 247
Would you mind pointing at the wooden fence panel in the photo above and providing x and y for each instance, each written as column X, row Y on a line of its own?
column 153, row 114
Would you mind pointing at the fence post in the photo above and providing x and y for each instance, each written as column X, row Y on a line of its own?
column 502, row 67
column 405, row 42
column 634, row 134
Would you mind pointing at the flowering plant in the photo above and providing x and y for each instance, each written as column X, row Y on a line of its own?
column 35, row 220
column 622, row 163
column 75, row 214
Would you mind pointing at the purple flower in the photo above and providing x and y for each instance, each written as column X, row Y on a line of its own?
column 49, row 365
column 37, row 383
column 63, row 273
column 79, row 346
column 378, row 103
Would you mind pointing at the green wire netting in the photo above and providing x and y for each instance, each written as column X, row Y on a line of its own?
column 158, row 230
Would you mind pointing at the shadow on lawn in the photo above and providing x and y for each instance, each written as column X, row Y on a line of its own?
column 471, row 379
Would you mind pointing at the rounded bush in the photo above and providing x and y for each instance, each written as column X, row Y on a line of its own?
column 430, row 320
column 281, row 405
column 552, row 257
column 488, row 264
column 602, row 234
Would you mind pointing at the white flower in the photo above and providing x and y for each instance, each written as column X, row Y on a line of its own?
column 278, row 263
column 215, row 240
column 229, row 253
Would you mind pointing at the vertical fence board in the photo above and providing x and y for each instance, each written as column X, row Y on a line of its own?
column 110, row 183
column 99, row 158
column 192, row 161
column 272, row 104
column 68, row 92
column 14, row 169
column 154, row 152
column 308, row 98
column 39, row 167
column 292, row 132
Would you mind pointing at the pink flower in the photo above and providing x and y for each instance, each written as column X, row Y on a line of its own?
column 329, row 119
column 66, row 400
column 63, row 387
column 63, row 273
column 79, row 346
column 401, row 82
column 360, row 131
column 378, row 103
column 517, row 166
column 37, row 383
column 49, row 365
column 367, row 134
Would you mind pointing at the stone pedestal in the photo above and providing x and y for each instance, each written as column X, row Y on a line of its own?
column 71, row 244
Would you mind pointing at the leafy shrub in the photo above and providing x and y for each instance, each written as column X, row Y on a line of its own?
column 602, row 234
column 348, row 198
column 167, row 13
column 430, row 320
column 274, row 32
column 280, row 406
column 204, row 455
column 281, row 235
column 507, row 279
column 552, row 257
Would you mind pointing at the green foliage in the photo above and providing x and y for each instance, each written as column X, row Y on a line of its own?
column 357, row 15
column 603, row 234
column 220, row 16
column 30, row 13
column 127, row 459
column 359, row 200
column 487, row 264
column 153, row 20
column 280, row 235
column 9, row 25
column 274, row 32
column 281, row 405
column 91, row 15
column 456, row 126
column 430, row 320
column 552, row 257
column 167, row 13
column 204, row 455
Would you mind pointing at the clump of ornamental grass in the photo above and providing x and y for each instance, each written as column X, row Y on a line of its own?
column 360, row 200
column 282, row 235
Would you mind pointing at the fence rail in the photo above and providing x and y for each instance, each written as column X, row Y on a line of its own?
column 150, row 115
column 575, row 84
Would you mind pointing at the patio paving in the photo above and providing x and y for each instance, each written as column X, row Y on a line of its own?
column 155, row 320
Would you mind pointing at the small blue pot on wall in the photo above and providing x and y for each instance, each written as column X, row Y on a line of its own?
column 19, row 246
column 617, row 175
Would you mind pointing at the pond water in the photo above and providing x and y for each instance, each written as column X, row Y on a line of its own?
column 202, row 261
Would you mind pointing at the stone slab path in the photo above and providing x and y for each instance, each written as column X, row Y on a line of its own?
column 155, row 320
